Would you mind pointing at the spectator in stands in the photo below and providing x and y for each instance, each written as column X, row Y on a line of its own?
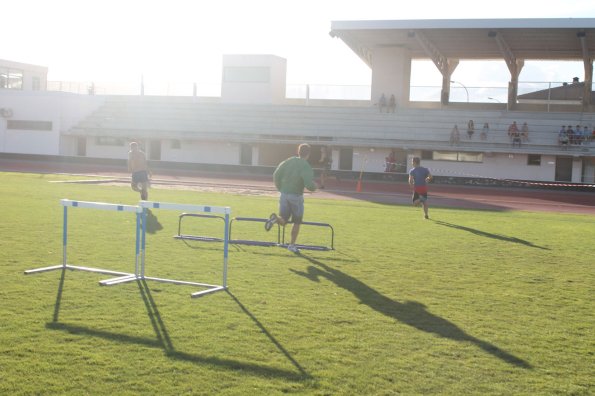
column 586, row 135
column 325, row 162
column 578, row 135
column 516, row 138
column 392, row 104
column 382, row 103
column 570, row 133
column 525, row 132
column 484, row 131
column 512, row 128
column 563, row 138
column 593, row 135
column 470, row 129
column 455, row 136
column 391, row 162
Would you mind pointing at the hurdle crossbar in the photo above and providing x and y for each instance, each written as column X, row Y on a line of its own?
column 252, row 242
column 313, row 247
column 225, row 211
column 67, row 203
column 202, row 238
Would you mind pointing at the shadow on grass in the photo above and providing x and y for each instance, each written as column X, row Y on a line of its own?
column 489, row 234
column 303, row 372
column 59, row 295
column 411, row 313
column 163, row 340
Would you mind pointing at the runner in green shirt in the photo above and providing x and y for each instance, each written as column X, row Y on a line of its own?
column 291, row 177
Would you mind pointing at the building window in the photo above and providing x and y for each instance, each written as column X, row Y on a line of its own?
column 36, row 83
column 11, row 78
column 246, row 74
column 427, row 155
column 25, row 125
column 534, row 159
column 457, row 156
column 109, row 141
column 470, row 157
column 175, row 144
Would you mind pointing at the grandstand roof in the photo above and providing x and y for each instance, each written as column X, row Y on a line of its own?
column 566, row 92
column 481, row 39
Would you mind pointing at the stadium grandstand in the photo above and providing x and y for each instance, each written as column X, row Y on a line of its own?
column 255, row 122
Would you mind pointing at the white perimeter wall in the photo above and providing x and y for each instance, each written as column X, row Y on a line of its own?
column 189, row 151
column 202, row 152
column 96, row 151
column 63, row 110
column 497, row 166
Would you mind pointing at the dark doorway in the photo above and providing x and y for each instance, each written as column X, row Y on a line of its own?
column 81, row 146
column 346, row 159
column 564, row 169
column 245, row 154
column 155, row 150
column 396, row 161
column 273, row 154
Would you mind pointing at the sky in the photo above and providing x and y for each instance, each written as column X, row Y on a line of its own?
column 184, row 40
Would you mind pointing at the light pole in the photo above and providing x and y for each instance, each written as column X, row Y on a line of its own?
column 490, row 98
column 466, row 91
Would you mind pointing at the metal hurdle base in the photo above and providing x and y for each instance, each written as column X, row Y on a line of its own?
column 134, row 278
column 313, row 247
column 141, row 220
column 198, row 238
column 76, row 268
column 280, row 234
column 67, row 203
column 201, row 238
column 209, row 288
column 252, row 242
column 307, row 247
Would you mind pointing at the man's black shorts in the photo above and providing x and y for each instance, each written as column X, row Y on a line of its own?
column 140, row 177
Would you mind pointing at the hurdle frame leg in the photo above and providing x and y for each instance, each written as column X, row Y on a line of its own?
column 66, row 203
column 140, row 246
column 210, row 288
column 125, row 278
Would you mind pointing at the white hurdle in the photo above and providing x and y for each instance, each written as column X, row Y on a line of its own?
column 226, row 211
column 67, row 203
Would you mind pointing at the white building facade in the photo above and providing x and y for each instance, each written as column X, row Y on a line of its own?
column 253, row 124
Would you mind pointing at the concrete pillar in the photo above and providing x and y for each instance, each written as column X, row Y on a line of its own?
column 588, row 84
column 391, row 74
column 577, row 170
column 513, row 86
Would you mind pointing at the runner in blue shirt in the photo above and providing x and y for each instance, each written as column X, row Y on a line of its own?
column 418, row 177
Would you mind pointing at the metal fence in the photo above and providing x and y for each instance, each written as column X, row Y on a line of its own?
column 418, row 93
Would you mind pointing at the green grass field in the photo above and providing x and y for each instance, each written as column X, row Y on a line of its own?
column 470, row 302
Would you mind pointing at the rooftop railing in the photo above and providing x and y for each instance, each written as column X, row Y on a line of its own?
column 459, row 93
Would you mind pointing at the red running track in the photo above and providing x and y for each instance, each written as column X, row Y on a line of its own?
column 470, row 197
